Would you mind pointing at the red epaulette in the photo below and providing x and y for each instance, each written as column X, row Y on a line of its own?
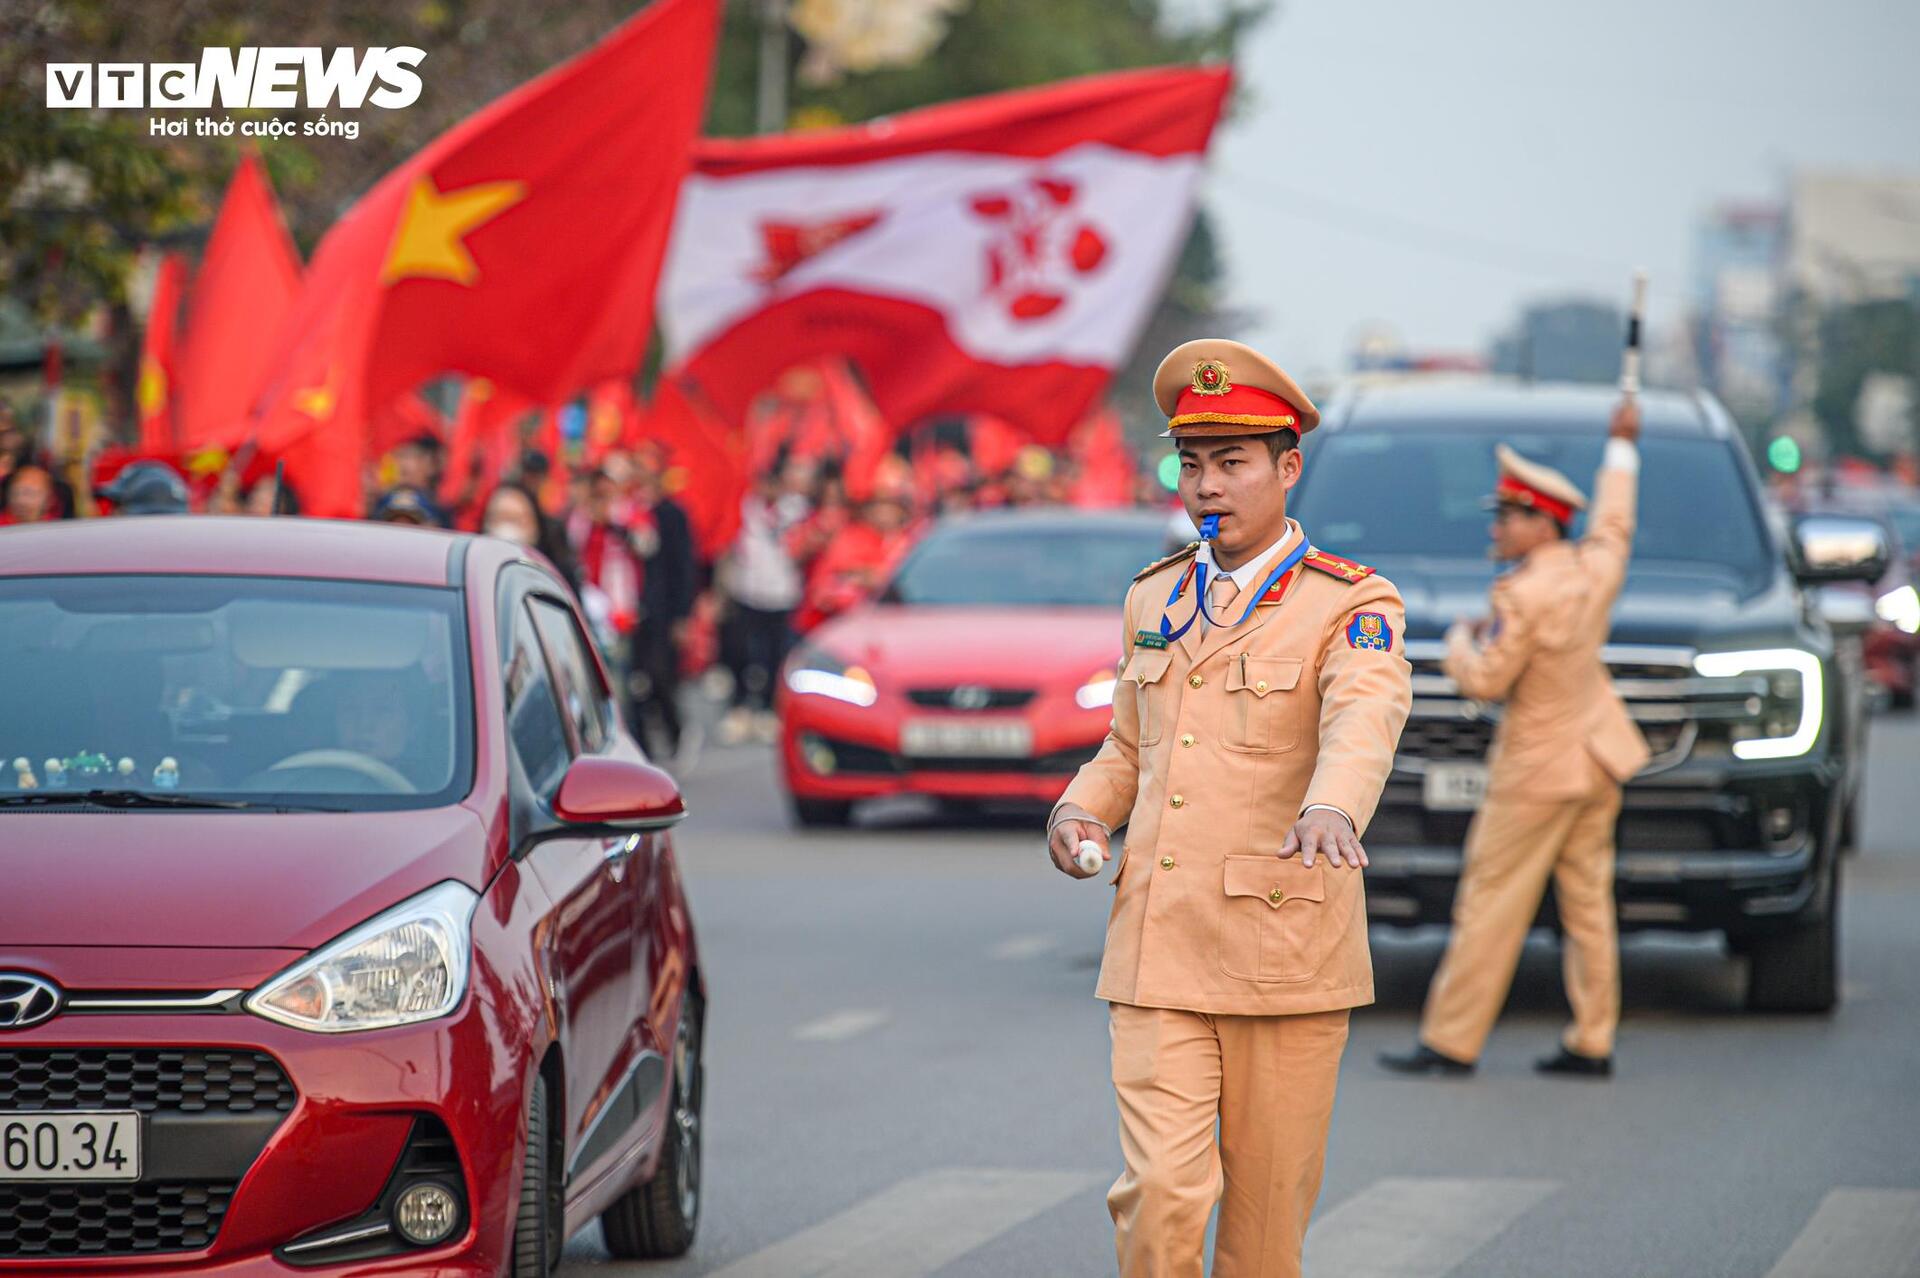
column 1336, row 566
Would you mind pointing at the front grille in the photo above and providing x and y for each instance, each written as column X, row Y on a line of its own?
column 187, row 1080
column 110, row 1220
column 980, row 698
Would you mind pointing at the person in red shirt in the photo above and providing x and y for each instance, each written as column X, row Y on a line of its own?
column 859, row 558
column 29, row 497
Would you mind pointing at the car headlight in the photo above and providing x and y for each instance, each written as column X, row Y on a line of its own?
column 1097, row 692
column 818, row 672
column 1900, row 606
column 1789, row 720
column 405, row 965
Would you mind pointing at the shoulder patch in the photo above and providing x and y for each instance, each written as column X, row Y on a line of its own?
column 1185, row 552
column 1336, row 566
column 1370, row 630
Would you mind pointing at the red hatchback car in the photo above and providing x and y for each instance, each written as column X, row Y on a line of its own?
column 339, row 932
column 984, row 671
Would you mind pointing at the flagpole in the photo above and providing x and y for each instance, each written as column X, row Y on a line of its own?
column 770, row 113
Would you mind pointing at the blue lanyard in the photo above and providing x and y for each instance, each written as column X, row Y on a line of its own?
column 1285, row 566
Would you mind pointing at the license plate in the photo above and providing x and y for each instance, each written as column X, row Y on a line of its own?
column 1454, row 787
column 948, row 739
column 76, row 1145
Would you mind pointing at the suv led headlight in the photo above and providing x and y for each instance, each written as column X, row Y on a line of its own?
column 1789, row 721
column 406, row 965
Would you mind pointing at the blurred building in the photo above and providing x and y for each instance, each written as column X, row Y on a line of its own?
column 1739, row 250
column 1567, row 341
column 1854, row 238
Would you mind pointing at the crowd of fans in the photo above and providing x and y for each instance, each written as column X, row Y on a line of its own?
column 663, row 612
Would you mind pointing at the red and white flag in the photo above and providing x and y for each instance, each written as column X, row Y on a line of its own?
column 995, row 255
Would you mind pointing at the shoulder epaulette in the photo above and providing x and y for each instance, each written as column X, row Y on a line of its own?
column 1185, row 552
column 1336, row 566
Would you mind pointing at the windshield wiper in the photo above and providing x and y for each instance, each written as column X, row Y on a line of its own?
column 143, row 799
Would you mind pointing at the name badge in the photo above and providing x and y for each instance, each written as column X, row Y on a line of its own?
column 1148, row 639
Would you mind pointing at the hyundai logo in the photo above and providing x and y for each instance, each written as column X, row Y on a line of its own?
column 26, row 1000
column 971, row 696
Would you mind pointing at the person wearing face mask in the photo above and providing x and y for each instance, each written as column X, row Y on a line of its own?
column 512, row 514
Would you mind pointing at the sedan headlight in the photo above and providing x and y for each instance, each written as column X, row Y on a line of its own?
column 1097, row 692
column 1789, row 721
column 820, row 673
column 1901, row 606
column 406, row 965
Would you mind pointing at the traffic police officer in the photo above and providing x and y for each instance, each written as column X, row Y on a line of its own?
column 1261, row 695
column 1564, row 747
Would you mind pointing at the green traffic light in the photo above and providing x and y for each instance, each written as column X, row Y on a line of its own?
column 1783, row 454
column 1170, row 471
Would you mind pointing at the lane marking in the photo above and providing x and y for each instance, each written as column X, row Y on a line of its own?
column 1417, row 1226
column 1862, row 1233
column 839, row 1026
column 1023, row 947
column 914, row 1227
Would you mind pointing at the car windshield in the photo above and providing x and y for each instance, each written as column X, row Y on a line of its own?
column 1377, row 494
column 335, row 694
column 1067, row 565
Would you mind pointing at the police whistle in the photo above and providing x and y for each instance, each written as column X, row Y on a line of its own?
column 1210, row 528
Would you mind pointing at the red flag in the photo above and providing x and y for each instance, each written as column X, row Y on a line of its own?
column 522, row 245
column 242, row 293
column 706, row 464
column 482, row 445
column 1104, row 462
column 995, row 255
column 157, row 391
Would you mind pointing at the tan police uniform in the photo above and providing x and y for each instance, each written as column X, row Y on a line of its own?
column 1229, row 970
column 1564, row 747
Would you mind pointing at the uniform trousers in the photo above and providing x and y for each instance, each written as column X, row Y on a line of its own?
column 1268, row 1083
column 1513, row 847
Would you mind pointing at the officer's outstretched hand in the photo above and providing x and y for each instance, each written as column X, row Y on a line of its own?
column 1063, row 843
column 1626, row 419
column 1323, row 833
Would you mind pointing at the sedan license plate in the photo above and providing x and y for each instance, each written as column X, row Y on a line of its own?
column 1455, row 787
column 957, row 739
column 75, row 1145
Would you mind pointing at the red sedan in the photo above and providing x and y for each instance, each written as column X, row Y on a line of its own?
column 340, row 932
column 984, row 670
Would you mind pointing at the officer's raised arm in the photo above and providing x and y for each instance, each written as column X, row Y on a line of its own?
column 1609, row 539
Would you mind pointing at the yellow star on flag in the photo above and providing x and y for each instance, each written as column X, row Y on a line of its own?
column 429, row 243
column 316, row 402
column 151, row 391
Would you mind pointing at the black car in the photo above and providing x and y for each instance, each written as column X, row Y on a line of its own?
column 1754, row 715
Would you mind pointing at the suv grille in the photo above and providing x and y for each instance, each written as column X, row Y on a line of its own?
column 110, row 1220
column 189, row 1081
column 1664, row 697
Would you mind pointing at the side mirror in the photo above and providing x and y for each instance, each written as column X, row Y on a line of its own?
column 599, row 792
column 1830, row 548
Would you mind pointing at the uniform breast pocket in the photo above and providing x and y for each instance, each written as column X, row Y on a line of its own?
column 1276, row 923
column 1263, row 704
column 1145, row 677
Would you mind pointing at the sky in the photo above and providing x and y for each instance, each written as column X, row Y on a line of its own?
column 1431, row 165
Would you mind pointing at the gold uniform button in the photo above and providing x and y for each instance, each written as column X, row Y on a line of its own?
column 1261, row 686
column 1276, row 896
column 1178, row 800
column 1186, row 738
column 1196, row 681
column 1166, row 863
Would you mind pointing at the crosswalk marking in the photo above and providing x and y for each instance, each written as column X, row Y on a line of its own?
column 1023, row 947
column 843, row 1024
column 1862, row 1233
column 1416, row 1226
column 915, row 1227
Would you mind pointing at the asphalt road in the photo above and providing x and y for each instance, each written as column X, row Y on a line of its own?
column 907, row 1078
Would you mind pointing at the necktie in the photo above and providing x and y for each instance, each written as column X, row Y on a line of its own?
column 1220, row 597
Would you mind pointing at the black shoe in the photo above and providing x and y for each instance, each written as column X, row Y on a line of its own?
column 1565, row 1062
column 1424, row 1060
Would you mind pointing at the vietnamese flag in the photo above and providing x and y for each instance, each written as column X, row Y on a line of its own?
column 707, row 468
column 522, row 245
column 157, row 388
column 241, row 294
column 481, row 447
column 996, row 255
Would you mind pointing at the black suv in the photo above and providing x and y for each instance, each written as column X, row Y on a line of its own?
column 1752, row 710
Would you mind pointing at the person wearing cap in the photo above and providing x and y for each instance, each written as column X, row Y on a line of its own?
column 406, row 505
column 1262, row 691
column 1564, row 747
column 146, row 488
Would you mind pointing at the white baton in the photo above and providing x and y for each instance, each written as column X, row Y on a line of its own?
column 1088, row 855
column 1630, row 358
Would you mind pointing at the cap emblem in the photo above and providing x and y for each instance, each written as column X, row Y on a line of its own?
column 1210, row 378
